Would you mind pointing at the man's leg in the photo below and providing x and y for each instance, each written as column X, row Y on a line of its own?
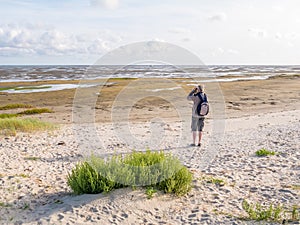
column 200, row 137
column 194, row 129
column 194, row 136
column 200, row 128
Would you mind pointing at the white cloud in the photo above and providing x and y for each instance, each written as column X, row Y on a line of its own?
column 217, row 17
column 278, row 36
column 233, row 51
column 24, row 41
column 286, row 39
column 278, row 8
column 108, row 4
column 159, row 40
column 258, row 33
column 222, row 51
column 179, row 30
column 186, row 39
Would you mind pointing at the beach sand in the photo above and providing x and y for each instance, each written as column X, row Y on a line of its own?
column 257, row 114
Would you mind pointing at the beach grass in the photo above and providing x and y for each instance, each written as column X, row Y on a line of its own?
column 32, row 158
column 5, row 88
column 146, row 169
column 36, row 111
column 264, row 152
column 23, row 175
column 8, row 115
column 30, row 111
column 5, row 205
column 15, row 106
column 10, row 126
column 259, row 212
column 150, row 191
column 31, row 88
column 216, row 181
column 264, row 212
column 24, row 88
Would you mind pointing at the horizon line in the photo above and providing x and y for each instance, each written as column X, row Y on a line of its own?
column 149, row 65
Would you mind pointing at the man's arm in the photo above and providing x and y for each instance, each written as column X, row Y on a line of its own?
column 191, row 96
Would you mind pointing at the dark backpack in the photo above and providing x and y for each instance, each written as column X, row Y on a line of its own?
column 202, row 107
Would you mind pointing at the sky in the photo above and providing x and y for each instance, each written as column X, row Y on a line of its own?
column 233, row 32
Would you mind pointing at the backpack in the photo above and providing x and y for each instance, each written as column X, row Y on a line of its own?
column 203, row 107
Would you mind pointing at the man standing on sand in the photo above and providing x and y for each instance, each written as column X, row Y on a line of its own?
column 197, row 121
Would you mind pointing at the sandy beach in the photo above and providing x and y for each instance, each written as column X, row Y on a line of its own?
column 257, row 114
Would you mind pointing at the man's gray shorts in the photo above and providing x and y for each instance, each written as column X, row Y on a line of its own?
column 197, row 124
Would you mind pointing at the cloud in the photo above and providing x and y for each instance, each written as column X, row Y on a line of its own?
column 108, row 4
column 217, row 17
column 278, row 36
column 277, row 8
column 36, row 40
column 179, row 30
column 233, row 51
column 258, row 33
column 287, row 39
column 222, row 51
column 186, row 39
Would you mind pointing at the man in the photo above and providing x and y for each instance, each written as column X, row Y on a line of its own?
column 197, row 121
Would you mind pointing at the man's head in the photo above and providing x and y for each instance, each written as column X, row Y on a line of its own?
column 200, row 88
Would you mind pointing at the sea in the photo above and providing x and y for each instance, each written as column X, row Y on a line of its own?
column 79, row 72
column 210, row 73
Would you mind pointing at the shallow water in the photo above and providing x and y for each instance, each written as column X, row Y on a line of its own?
column 78, row 72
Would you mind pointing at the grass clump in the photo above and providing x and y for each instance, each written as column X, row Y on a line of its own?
column 5, row 205
column 296, row 187
column 271, row 213
column 31, row 88
column 213, row 180
column 24, row 88
column 15, row 106
column 8, row 115
column 264, row 152
column 146, row 169
column 150, row 191
column 32, row 158
column 216, row 181
column 36, row 111
column 295, row 214
column 10, row 126
column 31, row 111
column 23, row 175
column 258, row 212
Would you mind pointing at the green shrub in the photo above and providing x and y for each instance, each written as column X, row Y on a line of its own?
column 10, row 126
column 85, row 180
column 136, row 169
column 264, row 152
column 179, row 183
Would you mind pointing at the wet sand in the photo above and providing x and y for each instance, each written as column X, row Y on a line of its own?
column 241, row 98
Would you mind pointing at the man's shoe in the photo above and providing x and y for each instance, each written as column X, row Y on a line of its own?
column 199, row 145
